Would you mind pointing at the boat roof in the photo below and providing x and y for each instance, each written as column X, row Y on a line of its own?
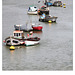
column 18, row 25
column 32, row 6
column 18, row 31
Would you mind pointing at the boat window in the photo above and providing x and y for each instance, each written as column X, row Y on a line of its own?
column 14, row 34
column 34, row 7
column 8, row 41
column 29, row 9
column 15, row 41
column 19, row 34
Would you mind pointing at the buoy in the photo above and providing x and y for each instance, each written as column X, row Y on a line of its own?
column 12, row 48
column 49, row 21
column 64, row 6
column 64, row 3
column 60, row 5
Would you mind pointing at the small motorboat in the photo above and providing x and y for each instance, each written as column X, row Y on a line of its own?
column 43, row 9
column 32, row 41
column 57, row 3
column 48, row 3
column 47, row 18
column 26, row 27
column 16, row 39
column 37, row 27
column 32, row 10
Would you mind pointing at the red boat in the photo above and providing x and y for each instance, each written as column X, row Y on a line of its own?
column 37, row 27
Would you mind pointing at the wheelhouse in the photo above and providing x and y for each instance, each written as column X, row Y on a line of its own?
column 18, row 34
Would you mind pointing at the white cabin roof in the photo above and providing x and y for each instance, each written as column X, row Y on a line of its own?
column 18, row 31
column 18, row 25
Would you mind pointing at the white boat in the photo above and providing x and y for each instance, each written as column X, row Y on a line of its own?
column 32, row 41
column 26, row 27
column 32, row 10
column 16, row 39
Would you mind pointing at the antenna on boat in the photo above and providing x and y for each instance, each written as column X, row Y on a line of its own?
column 19, row 27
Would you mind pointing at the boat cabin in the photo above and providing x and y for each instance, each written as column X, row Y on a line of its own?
column 18, row 34
column 32, row 8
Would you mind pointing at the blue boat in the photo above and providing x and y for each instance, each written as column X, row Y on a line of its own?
column 48, row 3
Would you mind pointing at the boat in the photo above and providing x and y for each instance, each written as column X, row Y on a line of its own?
column 47, row 18
column 26, row 27
column 32, row 10
column 43, row 9
column 57, row 3
column 37, row 27
column 48, row 3
column 32, row 41
column 18, row 38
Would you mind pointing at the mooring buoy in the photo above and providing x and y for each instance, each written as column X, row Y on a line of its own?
column 12, row 48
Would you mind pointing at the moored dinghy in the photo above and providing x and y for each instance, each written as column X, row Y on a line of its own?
column 32, row 41
column 57, row 3
column 48, row 3
column 43, row 9
column 32, row 10
column 47, row 18
column 37, row 27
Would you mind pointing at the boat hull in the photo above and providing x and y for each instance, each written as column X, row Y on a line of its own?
column 57, row 3
column 11, row 41
column 40, row 12
column 32, row 13
column 31, row 43
column 39, row 28
column 52, row 19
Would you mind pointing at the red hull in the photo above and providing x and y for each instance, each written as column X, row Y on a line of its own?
column 37, row 28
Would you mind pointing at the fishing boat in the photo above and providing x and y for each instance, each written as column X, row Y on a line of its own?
column 47, row 18
column 32, row 10
column 48, row 3
column 26, row 27
column 57, row 3
column 32, row 41
column 37, row 27
column 18, row 38
column 43, row 9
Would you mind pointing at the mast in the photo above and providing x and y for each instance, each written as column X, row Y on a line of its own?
column 19, row 27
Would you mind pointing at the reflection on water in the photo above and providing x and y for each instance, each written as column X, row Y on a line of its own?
column 37, row 32
column 50, row 24
column 11, row 51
